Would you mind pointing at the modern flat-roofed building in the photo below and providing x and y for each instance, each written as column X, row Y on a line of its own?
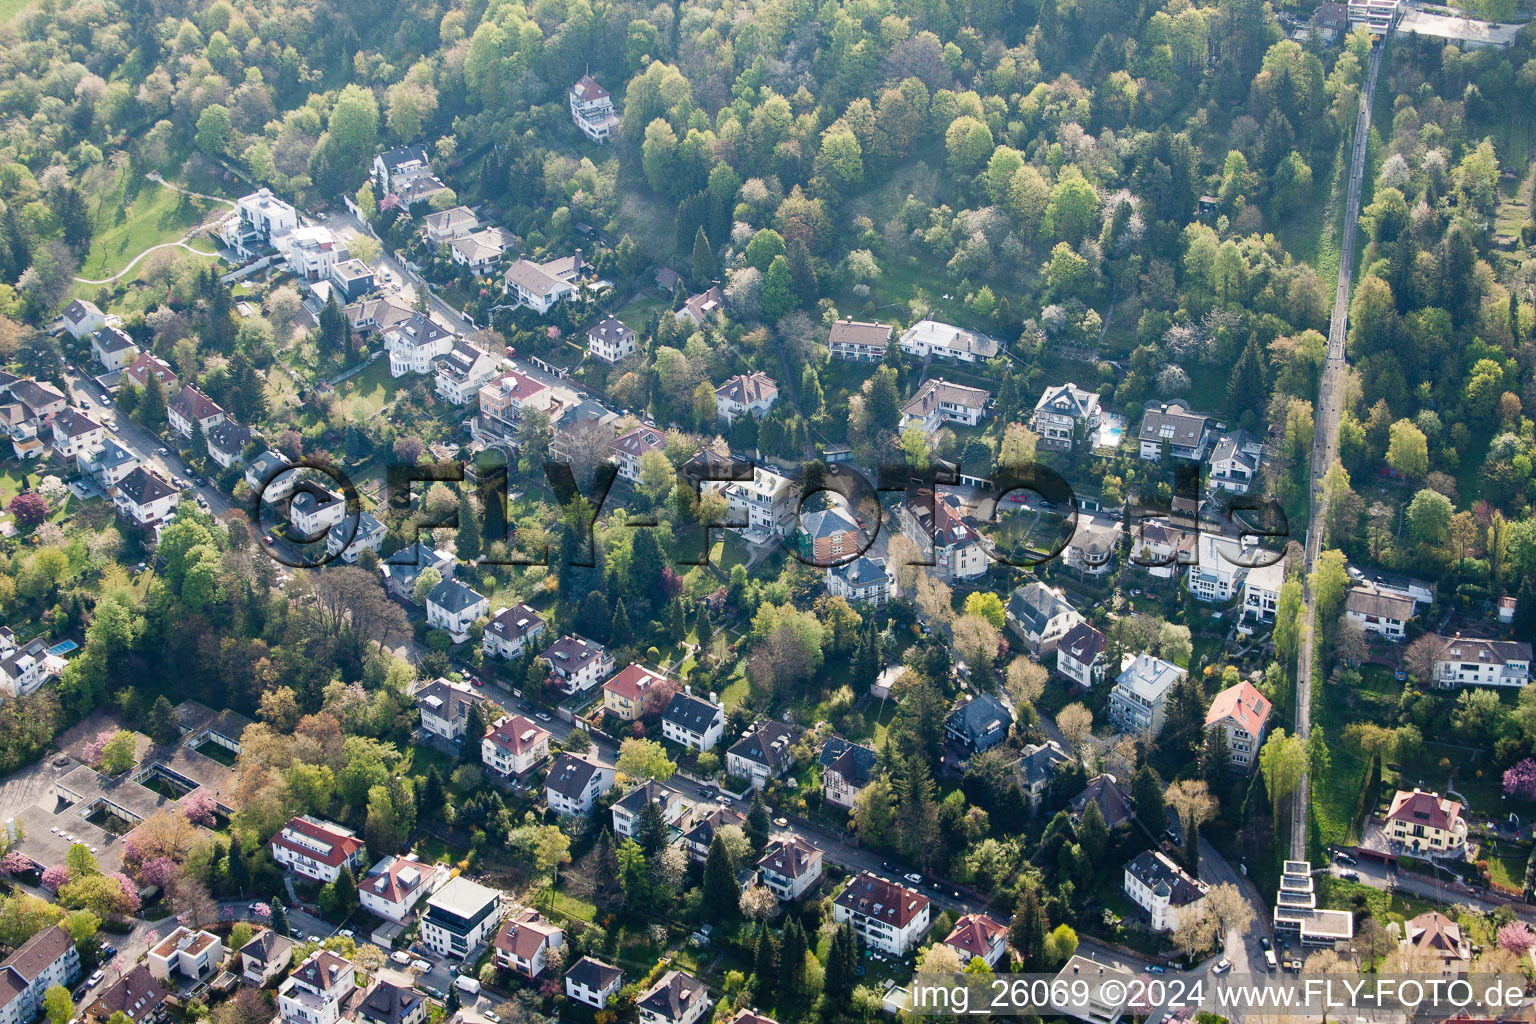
column 460, row 918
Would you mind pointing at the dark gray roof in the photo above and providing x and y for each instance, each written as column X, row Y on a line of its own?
column 403, row 155
column 454, row 596
column 111, row 339
column 853, row 762
column 1161, row 875
column 229, row 436
column 570, row 775
column 672, row 994
column 143, row 487
column 691, row 713
column 829, row 522
column 862, row 571
column 1035, row 605
column 1174, row 423
column 594, row 974
column 1040, row 760
column 979, row 718
column 647, row 792
column 768, row 745
column 388, row 1003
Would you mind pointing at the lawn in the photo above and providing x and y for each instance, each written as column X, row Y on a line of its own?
column 637, row 311
column 10, row 8
column 1506, row 864
column 368, row 392
column 565, row 905
column 10, row 483
column 727, row 553
column 736, row 691
column 132, row 215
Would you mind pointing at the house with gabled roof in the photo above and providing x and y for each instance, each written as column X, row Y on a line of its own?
column 1063, row 414
column 979, row 936
column 1172, row 424
column 453, row 607
column 1114, row 802
column 858, row 341
column 112, row 348
column 136, row 995
column 395, row 168
column 445, row 225
column 753, row 393
column 592, row 982
column 1467, row 661
column 318, row 990
column 624, row 691
column 693, row 721
column 1241, row 712
column 510, row 631
column 515, row 747
column 930, row 338
column 82, row 318
column 144, row 498
column 701, row 307
column 540, row 285
column 789, row 867
column 191, row 409
column 265, row 957
column 978, row 724
column 626, row 810
column 316, row 849
column 462, row 370
column 1235, row 461
column 1040, row 616
column 523, row 943
column 146, row 365
column 1080, row 655
column 885, row 915
column 633, row 445
column 226, row 442
column 401, row 569
column 763, row 753
column 941, row 524
column 846, row 768
column 1439, row 939
column 482, row 250
column 939, row 401
column 444, row 708
column 46, row 959
column 74, row 431
column 575, row 784
column 353, row 535
column 675, row 998
column 592, row 110
column 1426, row 823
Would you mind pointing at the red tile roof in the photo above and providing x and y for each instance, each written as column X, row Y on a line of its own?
column 517, row 735
column 975, row 934
column 632, row 682
column 1242, row 703
column 336, row 845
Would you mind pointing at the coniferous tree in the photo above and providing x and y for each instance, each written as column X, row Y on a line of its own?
column 758, row 823
column 608, row 894
column 765, row 968
column 620, row 633
column 1147, row 797
column 433, row 797
column 679, row 624
column 279, row 921
column 792, row 949
column 1026, row 932
column 594, row 617
column 1213, row 758
column 474, row 733
column 236, row 868
column 1245, row 389
column 651, row 829
column 842, row 964
column 704, row 630
column 161, row 722
column 720, row 893
column 466, row 542
column 802, row 272
column 703, row 261
column 152, row 402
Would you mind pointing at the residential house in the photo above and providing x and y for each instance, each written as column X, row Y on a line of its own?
column 226, row 443
column 1114, row 802
column 979, row 723
column 386, row 1002
column 753, row 393
column 888, row 917
column 828, row 535
column 593, row 983
column 401, row 569
column 789, row 867
column 861, row 581
column 26, row 668
column 408, row 196
column 83, row 318
column 265, row 957
column 1220, row 566
column 113, row 349
column 311, row 252
column 575, row 784
column 1426, row 823
column 626, row 811
column 1464, row 661
column 633, row 445
column 318, row 990
column 74, row 432
column 693, row 722
column 624, row 692
column 763, row 753
column 1331, row 21
column 1171, row 424
column 1105, row 1003
column 316, row 849
column 462, row 371
column 351, row 280
column 858, row 341
column 578, row 663
column 147, row 365
column 510, row 630
column 1241, row 712
column 979, row 936
column 945, row 341
column 314, row 510
column 524, row 941
column 269, row 476
column 1040, row 616
column 515, row 747
column 259, row 220
column 106, row 463
column 144, row 498
column 185, row 957
column 482, row 250
column 1163, row 889
column 460, row 917
column 454, row 607
column 191, row 409
column 136, row 995
column 701, row 307
column 1438, row 939
column 846, row 768
column 592, row 110
column 1138, row 702
column 1065, row 413
column 1235, row 462
column 46, row 959
column 1080, row 655
column 377, row 316
column 1037, row 766
column 505, row 398
column 940, row 525
column 444, row 708
column 1261, row 591
column 675, row 998
column 705, row 824
column 610, row 341
column 1379, row 611
column 1090, row 552
column 768, row 502
column 353, row 535
column 395, row 168
column 445, row 225
column 416, row 344
column 939, row 401
column 540, row 285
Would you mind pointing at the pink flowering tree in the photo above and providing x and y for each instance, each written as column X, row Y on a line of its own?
column 91, row 755
column 131, row 900
column 1520, row 780
column 156, row 871
column 199, row 809
column 54, row 877
column 15, row 863
column 1517, row 937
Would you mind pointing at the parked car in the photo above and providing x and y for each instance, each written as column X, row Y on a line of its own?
column 1155, row 969
column 421, row 965
column 401, row 957
column 1264, row 942
column 95, row 978
column 1350, row 876
column 914, row 878
column 1223, row 966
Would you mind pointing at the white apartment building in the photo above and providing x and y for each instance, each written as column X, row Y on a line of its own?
column 113, row 349
column 444, row 708
column 578, row 663
column 945, row 341
column 314, row 511
column 144, row 498
column 1241, row 712
column 592, row 110
column 941, row 525
column 1063, row 414
column 460, row 918
column 610, row 341
column 753, row 393
column 864, row 580
column 1217, row 573
column 540, row 285
column 939, row 402
column 185, row 957
column 887, row 916
column 515, row 747
column 510, row 631
column 632, row 446
column 1261, row 591
column 454, row 607
column 575, row 784
column 1138, row 702
column 462, row 371
column 259, row 219
column 693, row 722
column 789, row 867
column 1463, row 661
column 1163, row 889
column 593, row 982
column 415, row 345
column 768, row 502
column 47, row 959
column 311, row 252
column 858, row 341
column 395, row 885
column 317, row 991
column 1080, row 655
column 626, row 811
column 316, row 849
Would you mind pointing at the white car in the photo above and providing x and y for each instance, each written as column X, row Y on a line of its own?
column 401, row 957
column 421, row 965
column 1223, row 966
column 914, row 878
